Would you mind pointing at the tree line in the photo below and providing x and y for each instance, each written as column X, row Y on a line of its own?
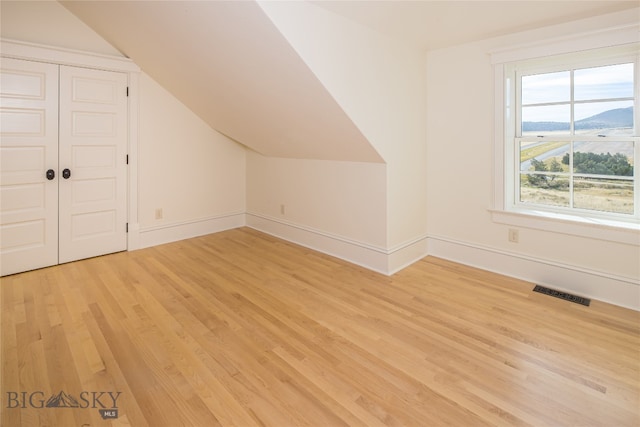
column 588, row 163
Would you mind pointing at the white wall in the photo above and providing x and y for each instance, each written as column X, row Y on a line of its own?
column 380, row 83
column 187, row 169
column 460, row 136
column 332, row 206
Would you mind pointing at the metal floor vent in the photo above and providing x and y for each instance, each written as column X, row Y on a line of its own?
column 562, row 295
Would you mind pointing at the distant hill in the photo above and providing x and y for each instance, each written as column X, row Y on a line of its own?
column 616, row 118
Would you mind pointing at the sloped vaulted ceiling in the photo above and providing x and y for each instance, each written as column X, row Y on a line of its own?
column 232, row 67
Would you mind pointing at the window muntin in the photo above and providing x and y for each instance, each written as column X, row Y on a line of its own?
column 575, row 138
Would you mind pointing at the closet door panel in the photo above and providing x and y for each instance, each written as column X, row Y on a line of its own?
column 28, row 149
column 93, row 143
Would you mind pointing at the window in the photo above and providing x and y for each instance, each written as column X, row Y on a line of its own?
column 571, row 135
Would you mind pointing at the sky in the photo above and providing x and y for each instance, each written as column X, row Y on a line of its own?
column 592, row 86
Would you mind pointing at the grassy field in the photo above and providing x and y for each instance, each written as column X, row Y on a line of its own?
column 603, row 195
column 535, row 150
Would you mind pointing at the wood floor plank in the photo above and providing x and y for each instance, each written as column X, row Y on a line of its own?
column 241, row 328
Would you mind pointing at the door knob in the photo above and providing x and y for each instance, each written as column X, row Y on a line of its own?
column 66, row 173
column 50, row 174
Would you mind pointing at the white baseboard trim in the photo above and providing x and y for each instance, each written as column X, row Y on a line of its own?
column 405, row 254
column 619, row 290
column 375, row 258
column 362, row 254
column 172, row 232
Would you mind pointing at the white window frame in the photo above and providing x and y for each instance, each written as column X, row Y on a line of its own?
column 624, row 40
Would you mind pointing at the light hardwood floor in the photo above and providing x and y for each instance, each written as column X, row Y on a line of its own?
column 240, row 328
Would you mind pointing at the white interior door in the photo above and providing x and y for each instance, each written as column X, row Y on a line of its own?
column 93, row 144
column 28, row 149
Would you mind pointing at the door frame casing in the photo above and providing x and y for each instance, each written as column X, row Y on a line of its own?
column 62, row 56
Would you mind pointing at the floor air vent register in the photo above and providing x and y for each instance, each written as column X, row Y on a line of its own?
column 562, row 295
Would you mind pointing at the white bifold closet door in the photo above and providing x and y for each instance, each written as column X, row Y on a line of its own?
column 63, row 162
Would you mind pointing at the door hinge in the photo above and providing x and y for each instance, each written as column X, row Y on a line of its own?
column 127, row 159
column 127, row 227
column 127, row 90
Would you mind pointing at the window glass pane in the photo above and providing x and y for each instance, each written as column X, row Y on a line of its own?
column 543, row 120
column 600, row 194
column 602, row 158
column 604, row 118
column 546, row 88
column 613, row 81
column 574, row 132
column 544, row 189
column 543, row 156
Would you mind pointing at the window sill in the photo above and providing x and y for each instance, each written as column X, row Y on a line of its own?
column 613, row 231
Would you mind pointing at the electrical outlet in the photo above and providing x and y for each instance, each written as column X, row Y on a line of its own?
column 158, row 213
column 513, row 235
